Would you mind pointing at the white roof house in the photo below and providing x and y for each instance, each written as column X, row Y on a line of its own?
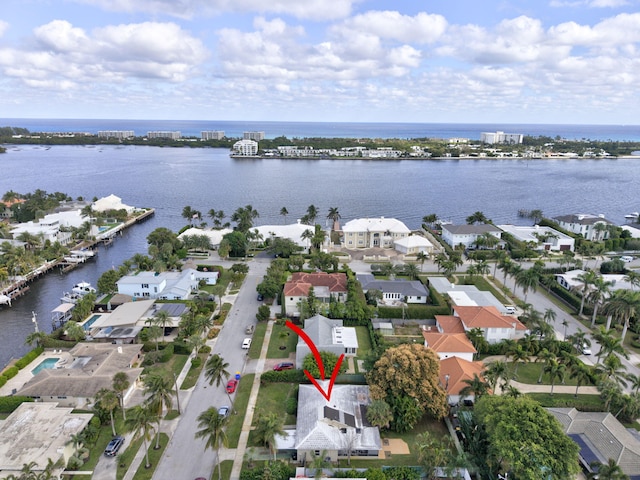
column 545, row 238
column 215, row 236
column 164, row 285
column 373, row 232
column 111, row 202
column 328, row 335
column 569, row 280
column 292, row 232
column 467, row 235
column 413, row 244
column 586, row 225
column 49, row 226
column 334, row 426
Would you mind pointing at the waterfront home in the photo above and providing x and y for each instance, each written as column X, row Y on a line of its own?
column 165, row 285
column 245, row 148
column 394, row 292
column 591, row 227
column 336, row 429
column 293, row 232
column 111, row 202
column 373, row 232
column 570, row 281
column 413, row 244
column 53, row 227
column 328, row 335
column 37, row 432
column 214, row 235
column 466, row 295
column 80, row 373
column 544, row 238
column 5, row 207
column 326, row 287
column 468, row 235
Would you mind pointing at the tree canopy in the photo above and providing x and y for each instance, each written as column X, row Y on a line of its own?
column 525, row 440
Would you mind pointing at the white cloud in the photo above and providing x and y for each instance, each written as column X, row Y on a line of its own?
column 66, row 55
column 3, row 27
column 308, row 9
column 589, row 3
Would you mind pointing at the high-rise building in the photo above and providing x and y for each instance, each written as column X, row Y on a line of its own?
column 161, row 134
column 212, row 135
column 257, row 136
column 500, row 137
column 119, row 134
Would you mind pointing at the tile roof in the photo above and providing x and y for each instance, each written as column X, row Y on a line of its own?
column 458, row 370
column 448, row 342
column 449, row 324
column 380, row 224
column 404, row 287
column 300, row 283
column 486, row 317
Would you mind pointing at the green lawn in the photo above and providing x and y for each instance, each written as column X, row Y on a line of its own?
column 591, row 403
column 281, row 335
column 226, row 468
column 240, row 405
column 530, row 372
column 272, row 397
column 258, row 340
column 194, row 373
column 144, row 473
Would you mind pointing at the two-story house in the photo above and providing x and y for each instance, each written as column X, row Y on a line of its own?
column 467, row 235
column 591, row 227
column 328, row 335
column 373, row 232
column 164, row 285
column 326, row 287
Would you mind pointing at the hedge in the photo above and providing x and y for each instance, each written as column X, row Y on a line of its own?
column 413, row 312
column 285, row 376
column 10, row 372
column 181, row 348
column 3, row 380
column 29, row 357
column 9, row 404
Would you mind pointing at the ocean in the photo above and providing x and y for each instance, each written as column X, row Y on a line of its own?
column 272, row 129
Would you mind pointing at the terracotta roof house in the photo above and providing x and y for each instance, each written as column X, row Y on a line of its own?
column 335, row 426
column 394, row 292
column 326, row 287
column 586, row 225
column 373, row 232
column 453, row 373
column 81, row 372
column 448, row 345
column 496, row 327
column 328, row 335
column 467, row 235
column 601, row 437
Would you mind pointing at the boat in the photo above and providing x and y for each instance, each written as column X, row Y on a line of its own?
column 68, row 297
column 83, row 288
column 632, row 217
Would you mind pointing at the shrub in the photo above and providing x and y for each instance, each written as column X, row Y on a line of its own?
column 196, row 362
column 205, row 349
column 9, row 404
column 291, row 406
column 285, row 376
column 166, row 353
column 29, row 357
column 74, row 463
column 213, row 333
column 3, row 380
column 11, row 372
column 181, row 348
column 151, row 358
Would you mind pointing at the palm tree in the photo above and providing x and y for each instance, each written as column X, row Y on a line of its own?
column 212, row 427
column 494, row 372
column 215, row 371
column 422, row 257
column 159, row 393
column 477, row 217
column 268, row 427
column 475, row 386
column 244, row 217
column 307, row 235
column 550, row 315
column 284, row 212
column 312, row 214
column 586, row 279
column 140, row 422
column 607, row 471
column 528, row 280
column 613, row 369
column 580, row 373
column 545, row 357
column 633, row 278
column 556, row 370
column 601, row 289
column 109, row 401
column 430, row 219
column 36, row 337
column 120, row 383
column 608, row 344
column 187, row 213
column 519, row 355
column 335, row 217
column 625, row 305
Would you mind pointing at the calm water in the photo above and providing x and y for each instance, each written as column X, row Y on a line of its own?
column 326, row 129
column 169, row 179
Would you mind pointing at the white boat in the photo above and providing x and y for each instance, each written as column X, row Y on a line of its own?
column 70, row 297
column 633, row 216
column 83, row 288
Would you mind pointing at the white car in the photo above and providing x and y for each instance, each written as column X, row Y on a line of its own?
column 586, row 350
column 246, row 343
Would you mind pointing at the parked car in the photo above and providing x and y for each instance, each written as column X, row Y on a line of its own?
column 586, row 350
column 246, row 343
column 231, row 385
column 249, row 330
column 260, row 297
column 113, row 446
column 283, row 366
column 223, row 411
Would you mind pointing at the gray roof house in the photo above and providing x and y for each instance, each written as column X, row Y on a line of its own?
column 335, row 426
column 328, row 336
column 586, row 225
column 601, row 437
column 467, row 235
column 394, row 291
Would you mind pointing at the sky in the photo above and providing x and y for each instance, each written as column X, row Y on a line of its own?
column 431, row 61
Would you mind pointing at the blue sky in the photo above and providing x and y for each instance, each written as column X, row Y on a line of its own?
column 502, row 61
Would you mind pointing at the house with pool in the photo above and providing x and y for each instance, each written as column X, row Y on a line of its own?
column 72, row 378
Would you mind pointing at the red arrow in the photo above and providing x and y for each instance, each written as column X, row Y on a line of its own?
column 318, row 358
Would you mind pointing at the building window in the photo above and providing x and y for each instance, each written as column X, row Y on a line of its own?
column 145, row 285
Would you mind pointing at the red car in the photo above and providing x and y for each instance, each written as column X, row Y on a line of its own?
column 231, row 385
column 283, row 366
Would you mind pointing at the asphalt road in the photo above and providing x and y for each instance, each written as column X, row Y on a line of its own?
column 185, row 456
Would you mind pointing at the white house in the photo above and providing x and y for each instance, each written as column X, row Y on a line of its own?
column 495, row 326
column 291, row 232
column 394, row 291
column 248, row 148
column 215, row 236
column 49, row 227
column 328, row 335
column 111, row 202
column 591, row 227
column 413, row 244
column 569, row 280
column 545, row 238
column 164, row 285
column 373, row 232
column 467, row 235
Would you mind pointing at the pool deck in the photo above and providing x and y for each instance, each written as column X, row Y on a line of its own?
column 24, row 375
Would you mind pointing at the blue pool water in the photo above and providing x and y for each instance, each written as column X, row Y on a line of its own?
column 87, row 325
column 46, row 363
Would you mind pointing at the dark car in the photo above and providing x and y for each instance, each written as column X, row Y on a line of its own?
column 283, row 366
column 231, row 385
column 113, row 446
column 260, row 297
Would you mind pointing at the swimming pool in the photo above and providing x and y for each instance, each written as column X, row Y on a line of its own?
column 46, row 363
column 87, row 325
